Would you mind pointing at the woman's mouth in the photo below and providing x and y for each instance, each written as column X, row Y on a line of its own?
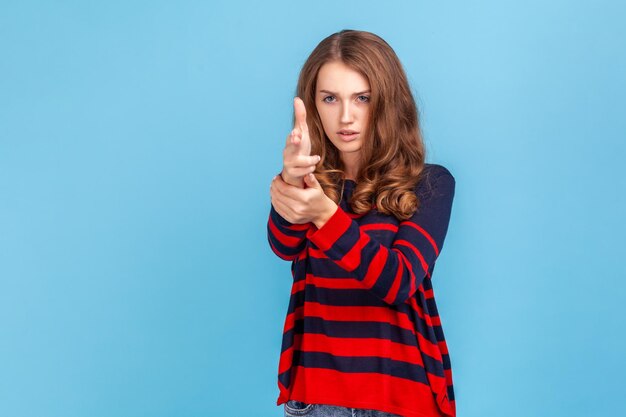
column 348, row 135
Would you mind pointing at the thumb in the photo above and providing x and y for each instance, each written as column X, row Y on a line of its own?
column 311, row 180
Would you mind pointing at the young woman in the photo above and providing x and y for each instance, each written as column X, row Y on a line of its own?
column 362, row 218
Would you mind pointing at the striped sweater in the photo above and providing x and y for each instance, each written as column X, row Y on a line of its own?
column 362, row 328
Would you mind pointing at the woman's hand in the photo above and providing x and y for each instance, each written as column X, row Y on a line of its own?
column 297, row 159
column 302, row 205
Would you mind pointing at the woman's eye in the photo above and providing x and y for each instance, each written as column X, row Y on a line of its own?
column 363, row 99
column 328, row 99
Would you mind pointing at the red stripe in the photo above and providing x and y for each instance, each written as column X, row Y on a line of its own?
column 359, row 314
column 420, row 312
column 382, row 348
column 353, row 283
column 402, row 258
column 289, row 241
column 335, row 227
column 298, row 286
column 281, row 254
column 299, row 227
column 286, row 360
column 439, row 386
column 395, row 286
column 375, row 268
column 284, row 394
column 428, row 294
column 317, row 253
column 352, row 258
column 425, row 233
column 379, row 226
column 335, row 283
column 364, row 390
column 291, row 318
column 415, row 250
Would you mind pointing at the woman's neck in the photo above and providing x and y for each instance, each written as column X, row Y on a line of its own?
column 351, row 165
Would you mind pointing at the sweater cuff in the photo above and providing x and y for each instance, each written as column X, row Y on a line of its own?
column 336, row 226
column 283, row 223
column 278, row 218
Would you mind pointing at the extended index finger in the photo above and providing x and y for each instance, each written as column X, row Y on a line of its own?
column 300, row 113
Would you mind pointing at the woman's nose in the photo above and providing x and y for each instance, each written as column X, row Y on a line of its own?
column 346, row 114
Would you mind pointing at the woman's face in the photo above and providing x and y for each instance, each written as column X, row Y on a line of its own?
column 342, row 101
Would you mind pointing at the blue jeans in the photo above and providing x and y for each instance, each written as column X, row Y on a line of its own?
column 298, row 408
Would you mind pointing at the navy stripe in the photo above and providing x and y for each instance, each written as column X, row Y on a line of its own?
column 351, row 364
column 327, row 268
column 342, row 297
column 446, row 360
column 428, row 332
column 352, row 297
column 332, row 270
column 346, row 241
column 287, row 340
column 450, row 390
column 279, row 220
column 298, row 269
column 295, row 301
column 386, row 278
column 285, row 250
column 431, row 306
column 360, row 330
column 439, row 333
column 285, row 378
column 357, row 329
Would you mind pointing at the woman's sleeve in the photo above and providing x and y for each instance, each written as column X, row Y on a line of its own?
column 393, row 274
column 286, row 239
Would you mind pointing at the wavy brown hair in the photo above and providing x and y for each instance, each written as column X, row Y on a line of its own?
column 393, row 152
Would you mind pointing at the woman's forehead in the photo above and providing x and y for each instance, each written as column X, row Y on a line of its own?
column 337, row 77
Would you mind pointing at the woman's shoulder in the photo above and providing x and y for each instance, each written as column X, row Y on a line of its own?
column 435, row 171
column 431, row 175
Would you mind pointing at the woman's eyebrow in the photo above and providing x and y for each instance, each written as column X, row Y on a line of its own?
column 355, row 94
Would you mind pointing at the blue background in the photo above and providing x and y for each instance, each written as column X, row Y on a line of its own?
column 137, row 144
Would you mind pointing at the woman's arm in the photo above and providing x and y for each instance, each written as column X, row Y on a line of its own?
column 393, row 274
column 286, row 239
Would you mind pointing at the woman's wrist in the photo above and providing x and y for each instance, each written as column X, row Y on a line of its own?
column 296, row 182
column 326, row 214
